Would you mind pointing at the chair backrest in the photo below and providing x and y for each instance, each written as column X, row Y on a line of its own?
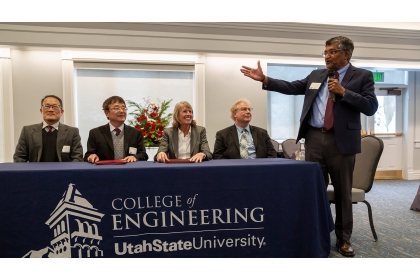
column 275, row 145
column 289, row 146
column 367, row 162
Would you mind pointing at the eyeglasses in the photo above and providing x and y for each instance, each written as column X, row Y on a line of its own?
column 330, row 52
column 244, row 109
column 119, row 109
column 48, row 106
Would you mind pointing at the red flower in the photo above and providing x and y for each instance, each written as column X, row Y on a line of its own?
column 153, row 114
column 144, row 133
column 142, row 117
column 148, row 124
column 149, row 134
column 158, row 121
column 161, row 128
column 155, row 108
column 137, row 126
column 153, row 125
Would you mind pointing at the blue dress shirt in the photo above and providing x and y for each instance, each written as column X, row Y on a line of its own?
column 318, row 109
column 251, row 147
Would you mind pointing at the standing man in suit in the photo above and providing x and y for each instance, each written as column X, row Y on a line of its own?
column 115, row 140
column 243, row 140
column 330, row 122
column 49, row 141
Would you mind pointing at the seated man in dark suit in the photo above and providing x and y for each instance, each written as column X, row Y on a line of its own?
column 115, row 140
column 242, row 140
column 49, row 141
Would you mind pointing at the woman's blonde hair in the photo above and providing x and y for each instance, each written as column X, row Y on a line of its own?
column 177, row 110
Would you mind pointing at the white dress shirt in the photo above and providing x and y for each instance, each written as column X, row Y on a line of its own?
column 184, row 144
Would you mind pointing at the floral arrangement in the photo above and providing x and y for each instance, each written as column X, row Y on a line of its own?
column 150, row 119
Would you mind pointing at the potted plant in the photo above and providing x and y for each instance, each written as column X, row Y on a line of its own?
column 150, row 118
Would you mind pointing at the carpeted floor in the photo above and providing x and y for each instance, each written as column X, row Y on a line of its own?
column 397, row 227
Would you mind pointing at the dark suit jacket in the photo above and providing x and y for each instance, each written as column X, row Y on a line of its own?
column 199, row 144
column 227, row 143
column 100, row 143
column 29, row 146
column 359, row 97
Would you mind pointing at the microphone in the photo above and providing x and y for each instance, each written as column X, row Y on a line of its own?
column 331, row 75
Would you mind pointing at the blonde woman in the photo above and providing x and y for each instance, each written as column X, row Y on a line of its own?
column 185, row 139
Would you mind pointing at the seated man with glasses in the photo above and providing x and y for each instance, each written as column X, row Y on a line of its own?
column 49, row 141
column 242, row 140
column 115, row 140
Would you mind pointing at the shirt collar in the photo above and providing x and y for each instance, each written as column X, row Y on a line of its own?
column 180, row 133
column 44, row 125
column 239, row 129
column 343, row 71
column 111, row 127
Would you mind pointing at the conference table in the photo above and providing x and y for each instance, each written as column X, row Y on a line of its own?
column 219, row 208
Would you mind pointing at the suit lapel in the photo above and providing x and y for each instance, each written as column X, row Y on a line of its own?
column 234, row 134
column 349, row 75
column 194, row 140
column 105, row 130
column 61, row 136
column 254, row 135
column 175, row 141
column 37, row 138
column 127, row 136
column 322, row 77
column 309, row 98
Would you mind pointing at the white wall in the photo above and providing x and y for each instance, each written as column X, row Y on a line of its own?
column 35, row 73
column 225, row 84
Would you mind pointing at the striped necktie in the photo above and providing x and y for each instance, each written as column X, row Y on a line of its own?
column 244, row 145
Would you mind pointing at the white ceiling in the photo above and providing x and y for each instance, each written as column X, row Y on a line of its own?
column 395, row 25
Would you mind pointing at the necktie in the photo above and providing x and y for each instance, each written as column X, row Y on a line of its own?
column 329, row 115
column 50, row 128
column 118, row 144
column 243, row 144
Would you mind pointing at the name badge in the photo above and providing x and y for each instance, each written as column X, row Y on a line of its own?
column 66, row 149
column 315, row 86
column 132, row 151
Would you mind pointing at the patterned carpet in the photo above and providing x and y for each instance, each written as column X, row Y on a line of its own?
column 397, row 227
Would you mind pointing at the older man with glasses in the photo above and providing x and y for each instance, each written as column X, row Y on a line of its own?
column 330, row 122
column 242, row 140
column 49, row 141
column 115, row 140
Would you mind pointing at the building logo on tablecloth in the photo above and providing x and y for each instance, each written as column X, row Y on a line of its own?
column 75, row 225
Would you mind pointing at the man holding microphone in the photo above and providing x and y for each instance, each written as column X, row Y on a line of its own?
column 330, row 122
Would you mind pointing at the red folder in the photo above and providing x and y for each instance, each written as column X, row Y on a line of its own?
column 175, row 160
column 113, row 161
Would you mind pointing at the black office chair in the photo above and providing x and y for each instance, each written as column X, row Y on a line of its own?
column 364, row 174
column 289, row 147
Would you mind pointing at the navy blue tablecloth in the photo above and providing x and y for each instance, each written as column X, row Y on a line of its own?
column 219, row 208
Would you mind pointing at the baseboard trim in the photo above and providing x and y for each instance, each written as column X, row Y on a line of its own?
column 413, row 175
column 388, row 175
